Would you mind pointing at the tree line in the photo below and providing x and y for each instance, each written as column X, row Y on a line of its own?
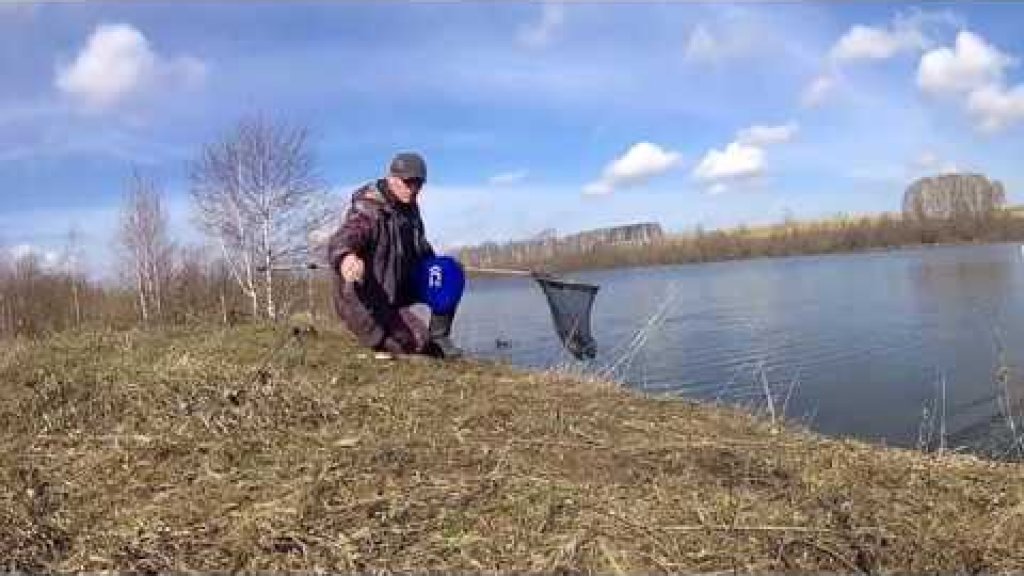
column 256, row 194
column 790, row 238
column 941, row 209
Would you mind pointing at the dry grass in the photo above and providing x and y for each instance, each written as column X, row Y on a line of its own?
column 204, row 451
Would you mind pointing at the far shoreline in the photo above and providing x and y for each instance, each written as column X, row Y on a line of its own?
column 641, row 266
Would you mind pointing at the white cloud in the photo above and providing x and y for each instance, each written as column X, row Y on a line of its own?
column 974, row 70
column 744, row 158
column 872, row 43
column 817, row 91
column 640, row 163
column 541, row 33
column 907, row 32
column 995, row 108
column 737, row 161
column 506, row 178
column 702, row 46
column 970, row 64
column 117, row 63
column 765, row 135
column 47, row 258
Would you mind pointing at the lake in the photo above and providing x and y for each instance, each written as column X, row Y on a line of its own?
column 854, row 345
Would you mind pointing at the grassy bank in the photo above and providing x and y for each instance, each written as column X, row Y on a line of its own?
column 253, row 448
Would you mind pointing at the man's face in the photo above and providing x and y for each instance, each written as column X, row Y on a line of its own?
column 405, row 189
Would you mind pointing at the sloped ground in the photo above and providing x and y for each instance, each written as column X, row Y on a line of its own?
column 253, row 448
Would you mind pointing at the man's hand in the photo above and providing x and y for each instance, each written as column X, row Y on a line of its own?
column 351, row 268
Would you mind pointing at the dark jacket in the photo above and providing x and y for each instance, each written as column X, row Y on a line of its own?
column 389, row 237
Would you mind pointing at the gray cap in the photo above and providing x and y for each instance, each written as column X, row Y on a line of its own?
column 408, row 165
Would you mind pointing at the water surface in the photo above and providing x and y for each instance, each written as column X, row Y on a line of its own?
column 860, row 344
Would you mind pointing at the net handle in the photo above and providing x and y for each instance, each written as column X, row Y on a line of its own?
column 480, row 270
column 501, row 271
column 315, row 266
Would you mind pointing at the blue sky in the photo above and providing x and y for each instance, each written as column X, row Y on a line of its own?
column 531, row 115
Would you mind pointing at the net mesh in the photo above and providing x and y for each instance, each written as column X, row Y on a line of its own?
column 570, row 304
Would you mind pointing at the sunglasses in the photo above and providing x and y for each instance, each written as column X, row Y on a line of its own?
column 413, row 182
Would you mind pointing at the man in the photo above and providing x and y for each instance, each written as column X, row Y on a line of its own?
column 376, row 255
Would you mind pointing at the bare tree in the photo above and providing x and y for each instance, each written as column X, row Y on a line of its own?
column 953, row 196
column 6, row 292
column 71, row 263
column 30, row 300
column 143, row 234
column 257, row 193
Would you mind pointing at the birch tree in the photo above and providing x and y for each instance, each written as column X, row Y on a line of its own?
column 6, row 292
column 71, row 263
column 256, row 192
column 143, row 235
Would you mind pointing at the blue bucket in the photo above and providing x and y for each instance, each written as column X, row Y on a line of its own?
column 441, row 282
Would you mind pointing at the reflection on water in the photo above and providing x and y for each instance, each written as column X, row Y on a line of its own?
column 859, row 343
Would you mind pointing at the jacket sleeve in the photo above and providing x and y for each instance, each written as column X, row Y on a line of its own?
column 353, row 236
column 365, row 324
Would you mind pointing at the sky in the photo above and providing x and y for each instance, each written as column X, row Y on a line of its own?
column 532, row 115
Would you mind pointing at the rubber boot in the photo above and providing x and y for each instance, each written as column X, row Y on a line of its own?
column 440, row 343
